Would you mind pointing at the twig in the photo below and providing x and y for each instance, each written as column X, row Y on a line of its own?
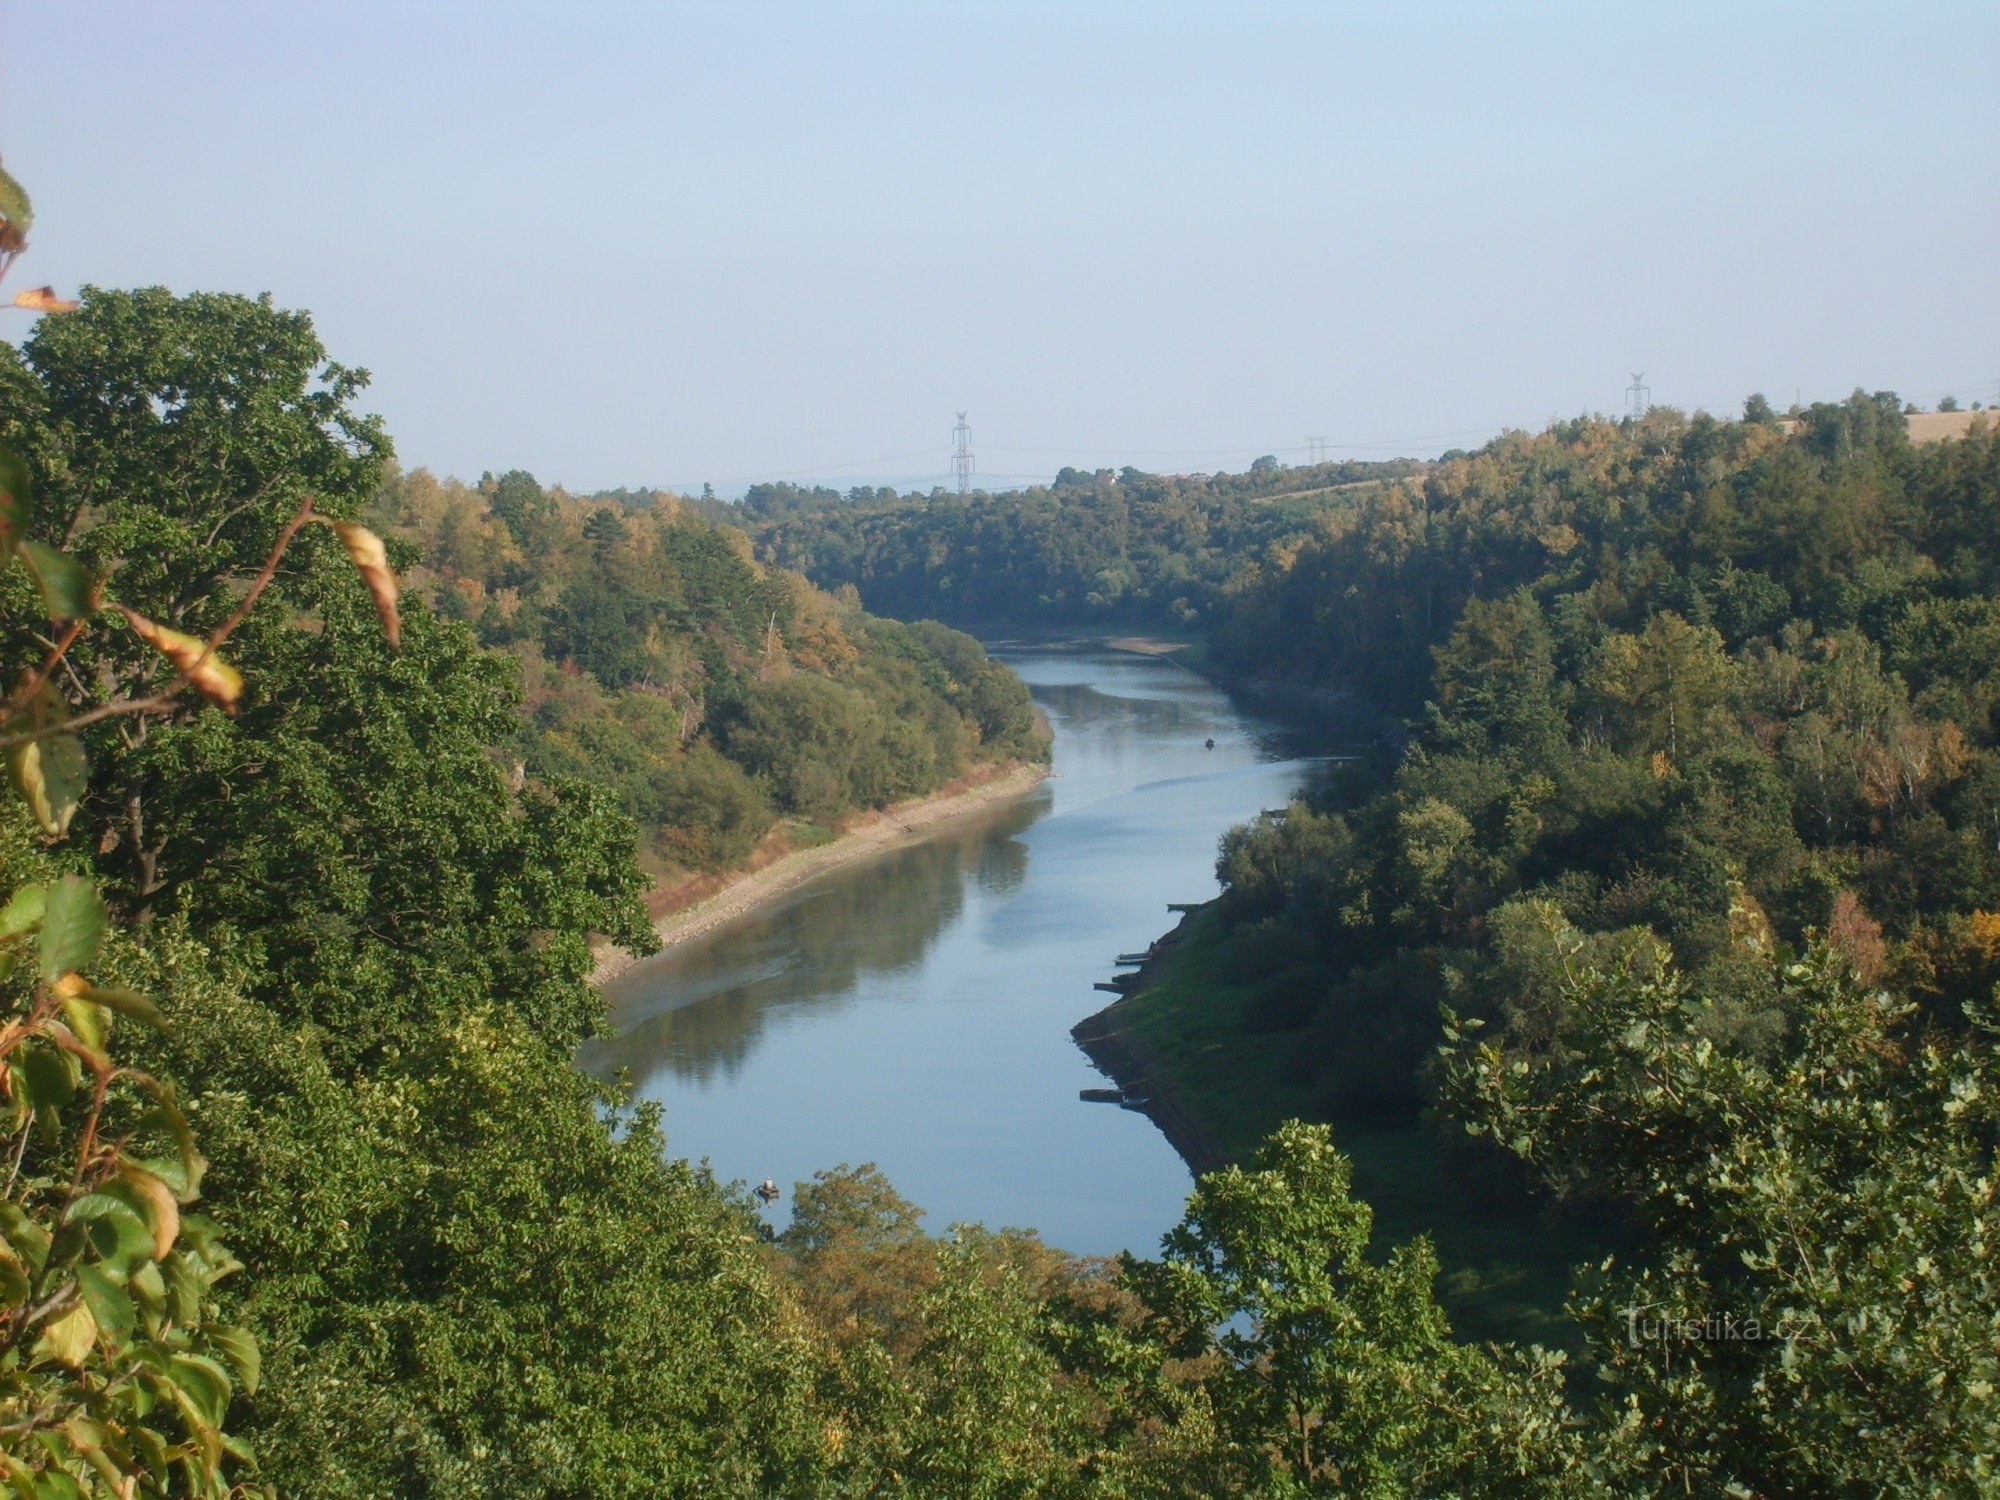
column 91, row 716
column 25, row 693
column 166, row 697
column 257, row 586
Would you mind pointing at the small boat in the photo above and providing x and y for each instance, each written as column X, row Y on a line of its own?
column 768, row 1191
column 1134, row 958
column 1101, row 1096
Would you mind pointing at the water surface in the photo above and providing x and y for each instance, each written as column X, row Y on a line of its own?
column 913, row 1009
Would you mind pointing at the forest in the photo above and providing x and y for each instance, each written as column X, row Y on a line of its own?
column 717, row 697
column 1677, row 904
column 329, row 774
column 1126, row 548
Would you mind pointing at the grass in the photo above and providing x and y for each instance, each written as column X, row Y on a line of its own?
column 1506, row 1264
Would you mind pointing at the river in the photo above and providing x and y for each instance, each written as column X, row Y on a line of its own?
column 913, row 1010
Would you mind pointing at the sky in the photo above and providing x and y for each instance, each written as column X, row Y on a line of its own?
column 666, row 244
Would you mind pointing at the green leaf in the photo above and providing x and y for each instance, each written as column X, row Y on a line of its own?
column 14, row 205
column 23, row 910
column 44, row 1078
column 117, row 1233
column 204, row 1382
column 72, row 928
column 240, row 1349
column 68, row 588
column 14, row 1285
column 184, row 1288
column 87, row 1021
column 125, row 1002
column 106, row 1300
column 50, row 775
column 149, row 1287
column 15, row 508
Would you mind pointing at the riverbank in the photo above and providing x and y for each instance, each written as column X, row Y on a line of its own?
column 703, row 902
column 1216, row 1087
column 1119, row 1050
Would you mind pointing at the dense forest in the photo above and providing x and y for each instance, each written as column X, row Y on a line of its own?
column 1690, row 680
column 1089, row 550
column 714, row 695
column 1683, row 896
column 1682, row 892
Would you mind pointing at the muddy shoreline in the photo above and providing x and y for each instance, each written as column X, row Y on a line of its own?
column 1120, row 1055
column 699, row 905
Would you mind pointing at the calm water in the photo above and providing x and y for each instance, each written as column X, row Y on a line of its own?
column 913, row 1010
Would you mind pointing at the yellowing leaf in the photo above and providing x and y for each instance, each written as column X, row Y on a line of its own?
column 162, row 1211
column 50, row 775
column 69, row 1337
column 367, row 553
column 44, row 299
column 211, row 676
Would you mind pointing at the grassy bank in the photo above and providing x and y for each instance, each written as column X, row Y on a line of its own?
column 1506, row 1263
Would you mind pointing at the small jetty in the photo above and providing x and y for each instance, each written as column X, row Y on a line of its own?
column 1131, row 1067
column 1109, row 987
column 1185, row 906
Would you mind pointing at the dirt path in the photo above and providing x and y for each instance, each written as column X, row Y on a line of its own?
column 739, row 894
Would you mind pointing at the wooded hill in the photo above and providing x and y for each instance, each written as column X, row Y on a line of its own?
column 1089, row 550
column 714, row 694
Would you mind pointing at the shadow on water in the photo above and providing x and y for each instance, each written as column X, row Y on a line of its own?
column 699, row 1011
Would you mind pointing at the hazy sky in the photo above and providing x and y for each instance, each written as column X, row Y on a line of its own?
column 668, row 243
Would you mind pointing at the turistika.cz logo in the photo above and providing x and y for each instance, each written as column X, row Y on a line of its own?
column 1648, row 1325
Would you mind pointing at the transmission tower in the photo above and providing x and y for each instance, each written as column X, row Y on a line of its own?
column 961, row 453
column 1316, row 449
column 1640, row 395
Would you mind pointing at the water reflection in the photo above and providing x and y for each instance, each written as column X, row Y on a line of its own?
column 914, row 1010
column 699, row 1009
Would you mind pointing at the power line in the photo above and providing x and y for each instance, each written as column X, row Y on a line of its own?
column 1082, row 449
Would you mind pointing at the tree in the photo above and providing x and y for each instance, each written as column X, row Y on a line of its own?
column 1666, row 690
column 119, row 1376
column 179, row 440
column 1814, row 1314
column 1338, row 1374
